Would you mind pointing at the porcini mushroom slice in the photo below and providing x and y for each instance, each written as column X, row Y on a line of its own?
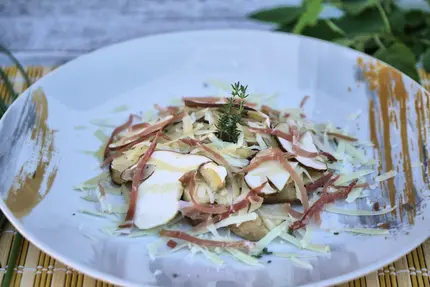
column 271, row 171
column 158, row 198
column 214, row 175
column 202, row 192
column 286, row 195
column 305, row 143
column 250, row 230
column 127, row 175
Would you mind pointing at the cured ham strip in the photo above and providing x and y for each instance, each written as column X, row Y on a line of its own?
column 170, row 110
column 341, row 136
column 294, row 213
column 273, row 132
column 243, row 244
column 269, row 111
column 297, row 179
column 319, row 182
column 121, row 150
column 137, row 177
column 326, row 198
column 303, row 101
column 216, row 156
column 291, row 138
column 115, row 132
column 146, row 133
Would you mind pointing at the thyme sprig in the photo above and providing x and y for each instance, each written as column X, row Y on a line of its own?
column 232, row 113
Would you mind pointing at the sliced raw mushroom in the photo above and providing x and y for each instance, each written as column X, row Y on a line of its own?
column 158, row 197
column 305, row 143
column 214, row 175
column 287, row 194
column 127, row 175
column 250, row 230
column 222, row 196
column 270, row 171
column 202, row 192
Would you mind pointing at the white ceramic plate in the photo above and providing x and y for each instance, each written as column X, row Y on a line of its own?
column 143, row 72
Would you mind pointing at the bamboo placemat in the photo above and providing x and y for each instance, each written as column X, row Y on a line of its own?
column 35, row 268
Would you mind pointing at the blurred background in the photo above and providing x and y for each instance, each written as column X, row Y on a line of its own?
column 46, row 31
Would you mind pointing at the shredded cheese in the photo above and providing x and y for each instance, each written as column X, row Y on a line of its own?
column 243, row 257
column 345, row 178
column 385, row 176
column 357, row 212
column 369, row 231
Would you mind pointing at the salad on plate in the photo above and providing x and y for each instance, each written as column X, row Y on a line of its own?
column 228, row 175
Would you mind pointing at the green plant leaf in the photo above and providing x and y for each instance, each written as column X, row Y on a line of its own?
column 344, row 42
column 6, row 51
column 397, row 20
column 415, row 19
column 320, row 30
column 426, row 60
column 367, row 23
column 334, row 27
column 356, row 7
column 400, row 57
column 312, row 10
column 279, row 15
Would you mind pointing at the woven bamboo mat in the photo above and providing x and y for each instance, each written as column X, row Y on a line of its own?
column 35, row 268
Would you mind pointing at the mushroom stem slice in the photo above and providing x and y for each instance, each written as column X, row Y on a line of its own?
column 214, row 175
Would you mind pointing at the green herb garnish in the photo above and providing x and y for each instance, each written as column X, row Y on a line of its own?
column 231, row 114
column 265, row 251
column 380, row 28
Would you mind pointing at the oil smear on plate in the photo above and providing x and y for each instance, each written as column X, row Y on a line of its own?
column 391, row 116
column 38, row 173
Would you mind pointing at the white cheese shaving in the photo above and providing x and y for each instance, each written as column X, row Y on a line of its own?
column 306, row 241
column 269, row 237
column 345, row 178
column 301, row 263
column 355, row 153
column 209, row 255
column 370, row 231
column 385, row 176
column 90, row 198
column 261, row 143
column 93, row 213
column 243, row 257
column 340, row 151
column 188, row 126
column 357, row 212
column 238, row 219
